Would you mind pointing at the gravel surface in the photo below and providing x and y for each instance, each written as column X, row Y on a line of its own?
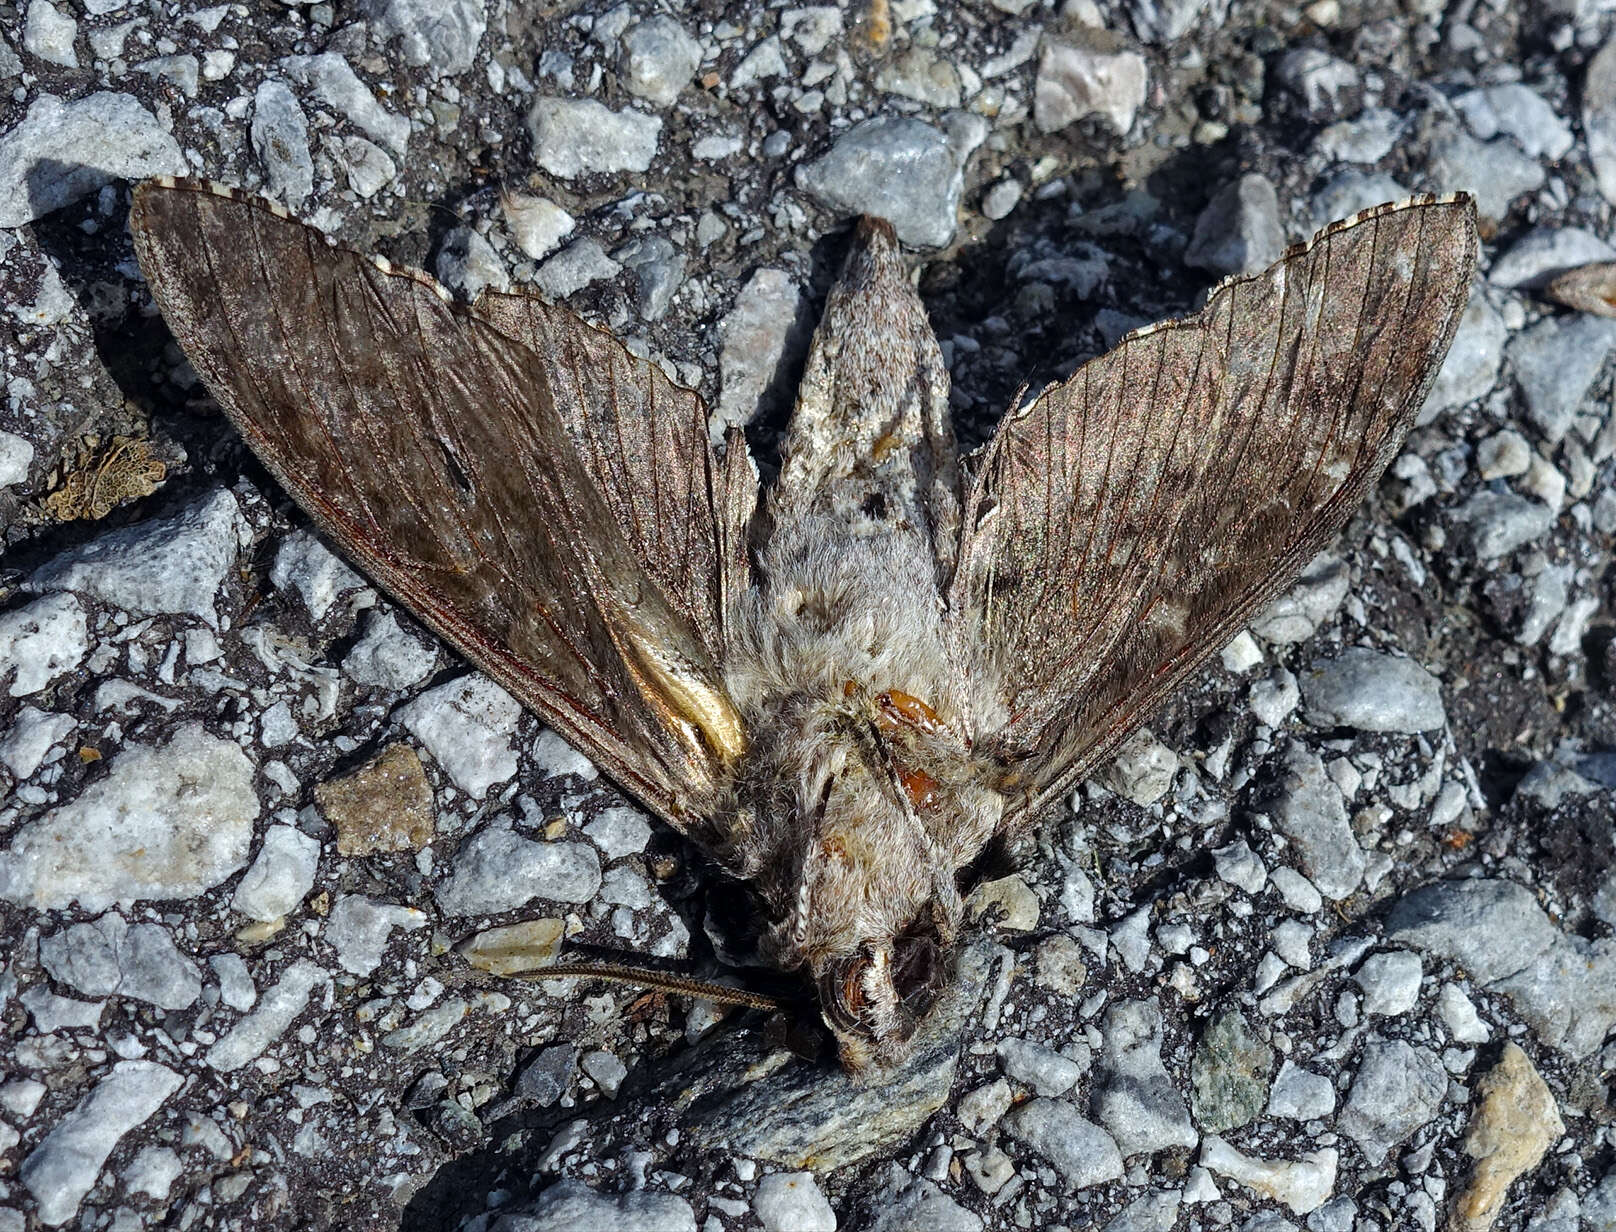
column 1328, row 947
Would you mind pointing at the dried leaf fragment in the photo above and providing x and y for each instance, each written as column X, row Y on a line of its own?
column 1588, row 288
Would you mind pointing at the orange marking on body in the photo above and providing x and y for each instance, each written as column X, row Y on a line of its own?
column 900, row 707
column 920, row 787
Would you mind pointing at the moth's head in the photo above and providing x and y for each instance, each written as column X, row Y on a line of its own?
column 874, row 998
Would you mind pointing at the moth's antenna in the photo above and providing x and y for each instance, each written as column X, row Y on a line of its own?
column 680, row 985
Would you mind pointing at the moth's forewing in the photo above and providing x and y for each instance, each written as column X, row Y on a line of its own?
column 431, row 445
column 1126, row 524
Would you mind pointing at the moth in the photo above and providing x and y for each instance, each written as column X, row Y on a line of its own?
column 842, row 687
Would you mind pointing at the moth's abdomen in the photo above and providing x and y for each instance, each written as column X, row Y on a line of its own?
column 870, row 443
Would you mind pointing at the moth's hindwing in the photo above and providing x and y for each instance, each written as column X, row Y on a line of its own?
column 543, row 499
column 1127, row 523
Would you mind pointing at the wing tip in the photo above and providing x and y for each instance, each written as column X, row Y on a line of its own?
column 257, row 201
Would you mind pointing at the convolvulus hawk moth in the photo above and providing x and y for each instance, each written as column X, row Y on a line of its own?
column 845, row 686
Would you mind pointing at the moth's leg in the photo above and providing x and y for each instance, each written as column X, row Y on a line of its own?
column 870, row 442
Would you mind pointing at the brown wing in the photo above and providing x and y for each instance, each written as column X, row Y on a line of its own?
column 1128, row 522
column 546, row 501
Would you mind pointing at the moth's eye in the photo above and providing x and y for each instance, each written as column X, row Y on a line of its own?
column 841, row 991
column 917, row 971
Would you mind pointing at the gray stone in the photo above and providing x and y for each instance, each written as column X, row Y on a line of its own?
column 1503, row 455
column 468, row 265
column 578, row 137
column 1496, row 172
column 659, row 58
column 165, row 566
column 153, row 1172
column 1471, row 369
column 1274, row 697
column 181, row 72
column 919, row 73
column 571, row 1206
column 48, row 33
column 304, row 565
column 498, row 870
column 1154, row 1212
column 604, row 1070
column 1543, row 253
column 359, row 927
column 921, row 1207
column 368, row 166
column 63, row 151
column 537, row 224
column 1167, row 21
column 1134, row 1097
column 52, row 1013
column 34, row 736
column 1555, row 363
column 280, row 137
column 440, row 34
column 63, row 1168
column 1492, row 929
column 1517, row 111
column 1082, row 1152
column 1352, row 191
column 467, row 724
column 1238, row 865
column 1390, row 982
column 1309, row 604
column 1075, row 81
column 106, row 957
column 386, row 657
column 1239, row 232
column 619, row 832
column 16, row 457
column 1493, row 524
column 1550, row 783
column 735, row 1096
column 658, row 268
column 275, row 1012
column 1599, row 1207
column 1398, row 1088
column 1372, row 691
column 1046, row 1071
column 41, row 641
column 165, row 823
column 1562, row 986
column 1142, row 770
column 280, row 876
column 1325, row 87
column 1300, row 1095
column 547, row 1076
column 1598, row 118
column 1310, row 812
column 333, row 82
column 1366, row 139
column 573, row 268
column 997, row 203
column 236, row 988
column 760, row 338
column 791, row 1202
column 1229, row 1074
column 898, row 168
